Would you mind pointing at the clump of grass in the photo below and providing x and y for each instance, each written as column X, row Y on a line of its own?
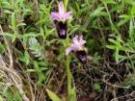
column 32, row 55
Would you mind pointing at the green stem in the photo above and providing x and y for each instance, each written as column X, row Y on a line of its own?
column 66, row 3
column 68, row 72
column 110, row 19
column 69, row 77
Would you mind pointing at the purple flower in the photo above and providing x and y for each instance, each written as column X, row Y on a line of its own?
column 77, row 44
column 61, row 15
column 78, row 48
column 60, row 19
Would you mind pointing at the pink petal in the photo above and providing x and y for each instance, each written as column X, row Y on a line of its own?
column 81, row 40
column 55, row 16
column 61, row 8
column 68, row 50
column 75, row 39
column 67, row 15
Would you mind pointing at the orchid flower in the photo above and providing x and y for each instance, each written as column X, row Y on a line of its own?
column 61, row 15
column 77, row 44
column 60, row 19
column 78, row 48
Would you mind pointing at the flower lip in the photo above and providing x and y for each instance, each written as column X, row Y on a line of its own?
column 77, row 44
column 82, row 56
column 61, row 15
column 61, row 28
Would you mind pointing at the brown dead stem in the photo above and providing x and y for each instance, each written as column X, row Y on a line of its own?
column 9, row 69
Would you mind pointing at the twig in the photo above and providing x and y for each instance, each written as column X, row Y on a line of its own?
column 10, row 70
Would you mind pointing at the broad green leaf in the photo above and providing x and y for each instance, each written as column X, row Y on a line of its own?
column 1, row 99
column 53, row 96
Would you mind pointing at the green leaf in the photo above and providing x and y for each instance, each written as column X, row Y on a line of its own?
column 53, row 96
column 25, row 58
column 35, row 47
column 1, row 99
column 110, row 1
column 73, row 94
column 97, row 87
column 2, row 48
column 98, row 12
